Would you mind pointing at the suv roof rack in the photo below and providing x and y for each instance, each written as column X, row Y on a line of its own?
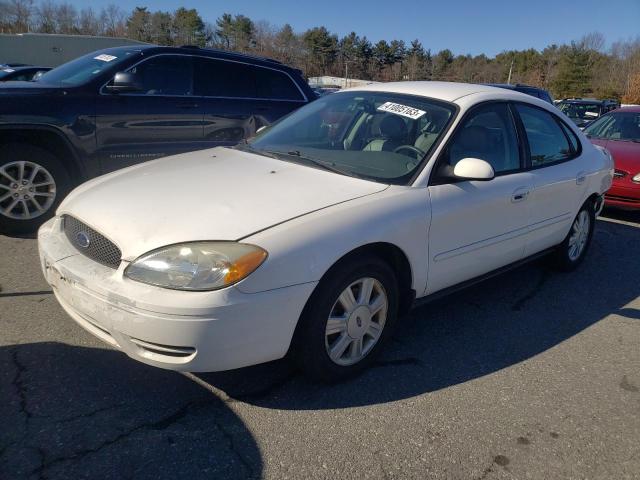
column 229, row 52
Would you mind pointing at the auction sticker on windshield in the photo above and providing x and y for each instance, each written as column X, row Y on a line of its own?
column 400, row 109
column 105, row 58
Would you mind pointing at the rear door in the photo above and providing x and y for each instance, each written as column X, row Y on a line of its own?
column 162, row 119
column 479, row 226
column 239, row 98
column 559, row 175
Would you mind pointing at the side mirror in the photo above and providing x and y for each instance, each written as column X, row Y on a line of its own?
column 125, row 82
column 473, row 169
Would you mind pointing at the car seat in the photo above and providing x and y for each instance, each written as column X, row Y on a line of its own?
column 392, row 134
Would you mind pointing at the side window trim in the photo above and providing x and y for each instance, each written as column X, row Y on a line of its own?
column 558, row 120
column 434, row 177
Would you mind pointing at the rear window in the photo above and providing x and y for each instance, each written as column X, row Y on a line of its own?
column 222, row 78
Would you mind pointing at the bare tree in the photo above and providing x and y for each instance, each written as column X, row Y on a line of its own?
column 20, row 14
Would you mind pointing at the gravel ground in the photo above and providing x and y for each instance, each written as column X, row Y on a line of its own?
column 533, row 374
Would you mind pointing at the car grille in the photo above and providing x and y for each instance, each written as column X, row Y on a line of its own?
column 619, row 174
column 91, row 243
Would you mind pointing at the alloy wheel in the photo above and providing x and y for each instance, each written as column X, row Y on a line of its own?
column 27, row 190
column 356, row 321
column 579, row 235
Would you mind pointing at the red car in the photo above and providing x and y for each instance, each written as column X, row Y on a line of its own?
column 619, row 132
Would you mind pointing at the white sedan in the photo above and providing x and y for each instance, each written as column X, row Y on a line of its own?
column 315, row 236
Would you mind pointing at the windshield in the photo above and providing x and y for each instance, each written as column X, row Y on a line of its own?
column 580, row 111
column 616, row 126
column 83, row 69
column 375, row 135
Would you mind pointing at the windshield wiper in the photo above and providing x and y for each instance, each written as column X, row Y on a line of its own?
column 324, row 165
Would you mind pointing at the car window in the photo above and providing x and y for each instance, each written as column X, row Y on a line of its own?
column 276, row 85
column 616, row 126
column 222, row 78
column 580, row 111
column 575, row 143
column 489, row 134
column 547, row 141
column 165, row 75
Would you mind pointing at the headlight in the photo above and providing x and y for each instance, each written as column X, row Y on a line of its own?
column 636, row 178
column 197, row 265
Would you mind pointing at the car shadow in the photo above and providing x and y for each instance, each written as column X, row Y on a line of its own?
column 476, row 332
column 76, row 412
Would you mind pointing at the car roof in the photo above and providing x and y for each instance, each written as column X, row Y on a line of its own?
column 447, row 91
column 582, row 100
column 513, row 86
column 205, row 52
column 630, row 109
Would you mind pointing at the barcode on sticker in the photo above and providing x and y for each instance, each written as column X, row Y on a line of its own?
column 400, row 109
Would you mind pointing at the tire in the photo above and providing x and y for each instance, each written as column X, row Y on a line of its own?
column 566, row 258
column 39, row 196
column 312, row 342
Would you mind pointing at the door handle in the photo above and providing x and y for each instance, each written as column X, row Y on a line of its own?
column 519, row 195
column 580, row 178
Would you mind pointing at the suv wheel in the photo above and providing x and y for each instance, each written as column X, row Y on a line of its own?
column 347, row 320
column 32, row 184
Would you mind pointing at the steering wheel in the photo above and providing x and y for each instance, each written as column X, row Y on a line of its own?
column 418, row 153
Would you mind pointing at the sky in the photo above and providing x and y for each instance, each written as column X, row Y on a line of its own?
column 463, row 26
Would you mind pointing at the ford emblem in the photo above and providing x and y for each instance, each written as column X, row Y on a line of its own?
column 82, row 239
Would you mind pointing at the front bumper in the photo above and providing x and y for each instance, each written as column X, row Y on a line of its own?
column 177, row 330
column 623, row 196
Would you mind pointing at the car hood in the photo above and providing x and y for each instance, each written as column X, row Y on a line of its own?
column 27, row 88
column 626, row 155
column 217, row 194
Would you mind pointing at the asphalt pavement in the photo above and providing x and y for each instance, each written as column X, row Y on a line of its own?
column 531, row 375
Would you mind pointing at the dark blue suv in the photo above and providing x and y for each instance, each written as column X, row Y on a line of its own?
column 528, row 89
column 121, row 106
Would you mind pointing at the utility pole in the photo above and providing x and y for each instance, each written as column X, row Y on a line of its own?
column 346, row 72
column 510, row 70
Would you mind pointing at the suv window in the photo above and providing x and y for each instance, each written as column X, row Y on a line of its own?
column 489, row 134
column 221, row 78
column 276, row 85
column 547, row 141
column 165, row 75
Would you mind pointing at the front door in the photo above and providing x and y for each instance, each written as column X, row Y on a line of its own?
column 163, row 118
column 479, row 226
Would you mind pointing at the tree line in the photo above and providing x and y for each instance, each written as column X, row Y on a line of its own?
column 585, row 67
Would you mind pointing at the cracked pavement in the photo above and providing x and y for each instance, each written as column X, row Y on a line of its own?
column 531, row 375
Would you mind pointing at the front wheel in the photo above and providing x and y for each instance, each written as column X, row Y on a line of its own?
column 347, row 320
column 32, row 184
column 571, row 252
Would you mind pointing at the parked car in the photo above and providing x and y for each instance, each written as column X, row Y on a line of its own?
column 583, row 111
column 21, row 74
column 528, row 89
column 619, row 132
column 121, row 106
column 318, row 233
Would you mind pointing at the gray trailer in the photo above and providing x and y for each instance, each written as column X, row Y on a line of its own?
column 51, row 50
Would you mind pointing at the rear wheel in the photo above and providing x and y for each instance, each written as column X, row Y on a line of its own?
column 571, row 252
column 347, row 320
column 32, row 184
